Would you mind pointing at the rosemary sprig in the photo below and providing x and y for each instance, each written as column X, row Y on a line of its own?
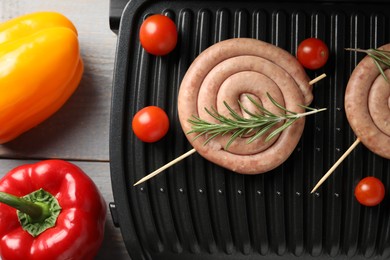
column 257, row 124
column 379, row 57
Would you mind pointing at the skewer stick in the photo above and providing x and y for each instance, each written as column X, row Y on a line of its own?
column 315, row 80
column 183, row 156
column 338, row 162
column 151, row 175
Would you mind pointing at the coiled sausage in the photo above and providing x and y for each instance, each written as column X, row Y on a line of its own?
column 367, row 99
column 230, row 70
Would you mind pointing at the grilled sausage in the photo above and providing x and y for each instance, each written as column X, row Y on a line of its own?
column 230, row 70
column 366, row 104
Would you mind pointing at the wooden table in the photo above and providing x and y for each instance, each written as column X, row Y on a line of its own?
column 79, row 132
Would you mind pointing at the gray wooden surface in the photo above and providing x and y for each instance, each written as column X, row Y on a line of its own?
column 79, row 131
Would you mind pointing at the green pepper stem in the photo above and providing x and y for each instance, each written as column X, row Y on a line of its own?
column 36, row 211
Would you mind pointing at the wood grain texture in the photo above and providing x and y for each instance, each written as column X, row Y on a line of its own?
column 79, row 132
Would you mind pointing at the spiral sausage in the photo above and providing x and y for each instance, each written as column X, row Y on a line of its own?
column 230, row 70
column 367, row 102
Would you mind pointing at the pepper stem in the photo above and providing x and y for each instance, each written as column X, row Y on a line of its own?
column 36, row 211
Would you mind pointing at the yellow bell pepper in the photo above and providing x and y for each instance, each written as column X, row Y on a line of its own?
column 40, row 68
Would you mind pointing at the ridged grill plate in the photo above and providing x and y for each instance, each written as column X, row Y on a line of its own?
column 197, row 210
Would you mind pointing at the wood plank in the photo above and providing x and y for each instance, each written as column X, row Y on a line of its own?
column 80, row 129
column 113, row 246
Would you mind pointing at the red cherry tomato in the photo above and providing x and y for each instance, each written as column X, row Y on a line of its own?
column 158, row 34
column 312, row 53
column 150, row 124
column 370, row 191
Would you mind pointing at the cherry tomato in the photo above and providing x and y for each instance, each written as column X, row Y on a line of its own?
column 158, row 34
column 370, row 191
column 150, row 124
column 312, row 53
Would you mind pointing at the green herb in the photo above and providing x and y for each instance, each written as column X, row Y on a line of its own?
column 256, row 125
column 379, row 57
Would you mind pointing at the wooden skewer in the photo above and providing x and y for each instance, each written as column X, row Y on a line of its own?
column 338, row 162
column 183, row 156
column 316, row 79
column 166, row 166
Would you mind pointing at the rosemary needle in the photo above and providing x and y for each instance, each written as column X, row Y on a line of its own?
column 379, row 57
column 257, row 124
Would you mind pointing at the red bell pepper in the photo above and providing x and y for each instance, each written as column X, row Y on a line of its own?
column 50, row 210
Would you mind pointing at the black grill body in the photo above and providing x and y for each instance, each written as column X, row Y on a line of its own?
column 197, row 210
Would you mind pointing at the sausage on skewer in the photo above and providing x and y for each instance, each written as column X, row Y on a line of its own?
column 229, row 70
column 367, row 100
